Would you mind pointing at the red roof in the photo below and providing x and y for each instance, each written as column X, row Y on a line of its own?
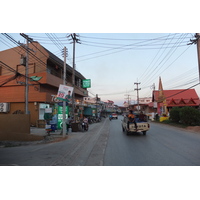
column 179, row 97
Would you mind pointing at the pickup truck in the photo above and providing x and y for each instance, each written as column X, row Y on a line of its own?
column 114, row 115
column 142, row 126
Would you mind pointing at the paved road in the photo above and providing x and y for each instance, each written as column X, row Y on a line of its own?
column 106, row 144
column 162, row 146
column 80, row 149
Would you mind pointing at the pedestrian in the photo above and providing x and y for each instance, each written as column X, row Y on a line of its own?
column 68, row 123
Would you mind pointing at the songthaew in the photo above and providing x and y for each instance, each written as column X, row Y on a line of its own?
column 137, row 124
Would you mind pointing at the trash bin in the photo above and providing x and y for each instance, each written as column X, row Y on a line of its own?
column 74, row 127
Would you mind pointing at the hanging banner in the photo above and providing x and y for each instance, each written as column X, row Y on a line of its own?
column 65, row 93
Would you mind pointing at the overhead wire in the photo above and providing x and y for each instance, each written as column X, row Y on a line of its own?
column 34, row 56
column 123, row 39
column 125, row 47
column 163, row 61
column 52, row 38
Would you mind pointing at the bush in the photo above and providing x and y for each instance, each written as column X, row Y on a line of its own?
column 175, row 114
column 189, row 116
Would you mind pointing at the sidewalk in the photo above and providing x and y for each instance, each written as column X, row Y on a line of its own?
column 42, row 131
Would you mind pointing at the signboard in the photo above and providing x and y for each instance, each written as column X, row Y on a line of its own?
column 87, row 83
column 60, row 116
column 65, row 93
column 48, row 110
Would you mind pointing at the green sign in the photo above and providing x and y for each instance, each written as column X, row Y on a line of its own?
column 87, row 83
column 35, row 78
column 60, row 116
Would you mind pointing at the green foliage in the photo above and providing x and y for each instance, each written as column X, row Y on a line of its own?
column 186, row 115
column 175, row 114
column 190, row 116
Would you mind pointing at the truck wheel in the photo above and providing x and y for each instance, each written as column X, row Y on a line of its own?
column 127, row 133
column 144, row 132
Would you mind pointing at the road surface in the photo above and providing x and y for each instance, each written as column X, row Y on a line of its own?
column 106, row 145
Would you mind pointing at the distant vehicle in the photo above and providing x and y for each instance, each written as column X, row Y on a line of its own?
column 114, row 116
column 142, row 126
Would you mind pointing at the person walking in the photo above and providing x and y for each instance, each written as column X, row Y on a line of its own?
column 68, row 123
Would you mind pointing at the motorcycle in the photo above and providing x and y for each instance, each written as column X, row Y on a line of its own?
column 84, row 126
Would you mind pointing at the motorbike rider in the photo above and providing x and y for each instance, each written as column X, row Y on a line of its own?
column 85, row 120
column 110, row 117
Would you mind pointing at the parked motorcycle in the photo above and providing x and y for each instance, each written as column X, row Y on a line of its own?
column 85, row 126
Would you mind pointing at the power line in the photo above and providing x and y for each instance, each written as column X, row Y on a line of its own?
column 163, row 61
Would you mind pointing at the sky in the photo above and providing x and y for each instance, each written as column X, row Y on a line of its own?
column 121, row 43
column 116, row 61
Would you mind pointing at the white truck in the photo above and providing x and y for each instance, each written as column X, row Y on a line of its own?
column 142, row 125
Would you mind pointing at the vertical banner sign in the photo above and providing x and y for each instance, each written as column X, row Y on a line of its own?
column 65, row 93
column 87, row 83
column 60, row 116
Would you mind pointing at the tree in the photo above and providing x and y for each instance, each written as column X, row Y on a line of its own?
column 190, row 116
column 175, row 114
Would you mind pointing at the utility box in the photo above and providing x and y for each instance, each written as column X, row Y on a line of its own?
column 23, row 61
column 4, row 107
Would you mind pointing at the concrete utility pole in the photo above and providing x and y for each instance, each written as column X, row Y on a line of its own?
column 96, row 105
column 137, row 94
column 64, row 102
column 75, row 40
column 26, row 70
column 128, row 98
column 197, row 41
column 197, row 35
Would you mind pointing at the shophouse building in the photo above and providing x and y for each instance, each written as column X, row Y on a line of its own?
column 45, row 72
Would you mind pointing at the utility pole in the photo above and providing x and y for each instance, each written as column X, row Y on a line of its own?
column 26, row 70
column 64, row 102
column 137, row 95
column 128, row 98
column 197, row 41
column 96, row 105
column 197, row 35
column 75, row 40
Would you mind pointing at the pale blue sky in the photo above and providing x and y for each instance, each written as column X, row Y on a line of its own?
column 115, row 61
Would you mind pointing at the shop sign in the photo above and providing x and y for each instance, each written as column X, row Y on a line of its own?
column 60, row 116
column 48, row 110
column 87, row 83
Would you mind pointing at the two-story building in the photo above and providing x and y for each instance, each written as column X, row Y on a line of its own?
column 45, row 72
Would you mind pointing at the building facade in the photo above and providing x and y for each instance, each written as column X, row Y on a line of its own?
column 45, row 72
